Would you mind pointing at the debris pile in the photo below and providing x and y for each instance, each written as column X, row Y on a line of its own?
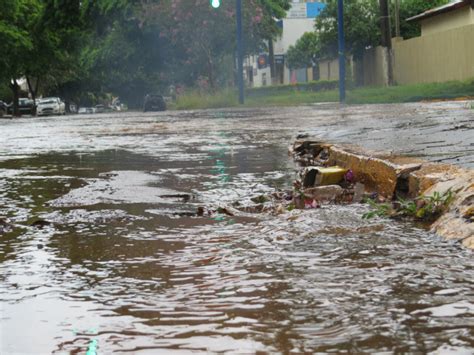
column 398, row 187
column 322, row 181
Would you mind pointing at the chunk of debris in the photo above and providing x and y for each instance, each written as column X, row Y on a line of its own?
column 324, row 193
column 319, row 176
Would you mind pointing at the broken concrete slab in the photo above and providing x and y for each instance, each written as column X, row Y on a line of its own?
column 457, row 222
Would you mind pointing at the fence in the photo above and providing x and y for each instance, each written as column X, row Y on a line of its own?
column 443, row 56
column 438, row 57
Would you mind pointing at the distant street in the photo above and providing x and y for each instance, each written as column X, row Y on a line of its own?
column 117, row 235
column 441, row 131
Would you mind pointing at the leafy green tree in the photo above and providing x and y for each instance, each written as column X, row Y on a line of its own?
column 305, row 52
column 361, row 26
column 120, row 54
column 199, row 39
column 17, row 19
column 39, row 39
column 126, row 47
column 56, row 36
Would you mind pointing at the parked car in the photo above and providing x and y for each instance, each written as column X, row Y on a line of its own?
column 86, row 110
column 99, row 108
column 51, row 106
column 154, row 103
column 3, row 108
column 25, row 107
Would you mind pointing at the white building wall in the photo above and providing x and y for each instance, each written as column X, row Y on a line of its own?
column 293, row 29
column 261, row 77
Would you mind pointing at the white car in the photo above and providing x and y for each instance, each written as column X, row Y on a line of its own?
column 51, row 106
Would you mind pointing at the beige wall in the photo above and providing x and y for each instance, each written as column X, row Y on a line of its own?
column 309, row 74
column 454, row 19
column 372, row 69
column 329, row 70
column 439, row 57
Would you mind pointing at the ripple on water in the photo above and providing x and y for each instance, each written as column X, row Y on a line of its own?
column 126, row 269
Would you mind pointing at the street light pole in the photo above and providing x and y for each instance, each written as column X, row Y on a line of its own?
column 342, row 56
column 240, row 54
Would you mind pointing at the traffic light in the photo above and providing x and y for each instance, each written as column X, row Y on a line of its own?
column 215, row 3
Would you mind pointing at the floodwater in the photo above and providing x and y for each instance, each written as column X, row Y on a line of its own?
column 104, row 253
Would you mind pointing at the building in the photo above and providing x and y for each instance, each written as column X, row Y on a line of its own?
column 299, row 20
column 450, row 16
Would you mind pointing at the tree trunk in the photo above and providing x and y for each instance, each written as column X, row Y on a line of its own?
column 210, row 73
column 271, row 59
column 33, row 91
column 16, row 95
column 386, row 38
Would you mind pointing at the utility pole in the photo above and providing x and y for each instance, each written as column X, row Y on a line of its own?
column 240, row 52
column 397, row 18
column 342, row 55
column 386, row 37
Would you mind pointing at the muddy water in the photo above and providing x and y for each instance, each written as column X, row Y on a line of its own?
column 105, row 253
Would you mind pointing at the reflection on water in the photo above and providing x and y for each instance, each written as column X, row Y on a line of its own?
column 123, row 267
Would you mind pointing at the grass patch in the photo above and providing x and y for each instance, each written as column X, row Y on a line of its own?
column 291, row 96
column 198, row 100
column 412, row 93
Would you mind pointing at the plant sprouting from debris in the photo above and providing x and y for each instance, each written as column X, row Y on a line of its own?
column 381, row 210
column 424, row 208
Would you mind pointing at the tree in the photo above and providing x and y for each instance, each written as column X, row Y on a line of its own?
column 361, row 27
column 126, row 47
column 56, row 37
column 200, row 39
column 17, row 18
column 305, row 52
column 39, row 39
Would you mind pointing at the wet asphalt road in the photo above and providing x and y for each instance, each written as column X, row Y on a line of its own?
column 116, row 266
column 441, row 131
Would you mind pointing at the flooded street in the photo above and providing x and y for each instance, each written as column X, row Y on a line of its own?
column 103, row 249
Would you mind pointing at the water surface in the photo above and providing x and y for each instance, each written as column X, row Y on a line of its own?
column 124, row 265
